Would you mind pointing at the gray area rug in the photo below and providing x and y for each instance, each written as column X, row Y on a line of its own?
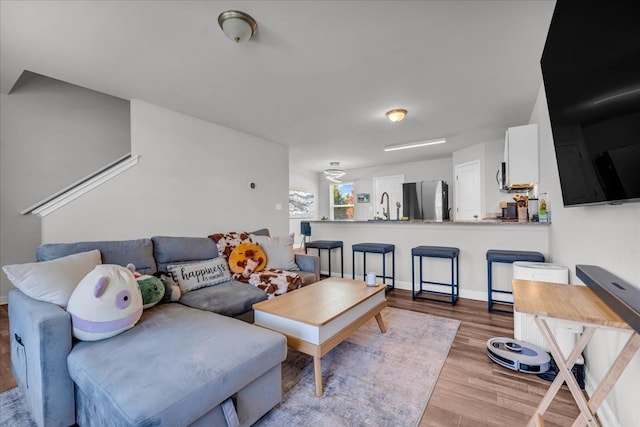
column 371, row 379
column 14, row 411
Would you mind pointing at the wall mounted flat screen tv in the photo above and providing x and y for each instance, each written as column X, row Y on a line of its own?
column 591, row 72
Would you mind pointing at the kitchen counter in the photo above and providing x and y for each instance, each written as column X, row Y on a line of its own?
column 473, row 238
column 429, row 221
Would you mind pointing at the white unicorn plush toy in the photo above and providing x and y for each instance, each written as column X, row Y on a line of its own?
column 106, row 302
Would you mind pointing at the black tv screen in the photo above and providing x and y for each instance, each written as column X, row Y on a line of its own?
column 591, row 72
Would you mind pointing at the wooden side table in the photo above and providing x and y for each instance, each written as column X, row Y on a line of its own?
column 577, row 304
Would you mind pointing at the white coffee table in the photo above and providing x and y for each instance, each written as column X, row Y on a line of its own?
column 320, row 316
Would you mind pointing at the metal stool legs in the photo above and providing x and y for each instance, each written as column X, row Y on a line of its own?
column 384, row 275
column 436, row 252
column 329, row 245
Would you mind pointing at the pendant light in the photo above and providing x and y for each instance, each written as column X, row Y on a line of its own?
column 334, row 174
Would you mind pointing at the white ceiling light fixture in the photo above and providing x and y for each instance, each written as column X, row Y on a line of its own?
column 396, row 115
column 415, row 144
column 238, row 26
column 334, row 174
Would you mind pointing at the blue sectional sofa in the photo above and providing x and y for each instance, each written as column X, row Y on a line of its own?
column 178, row 366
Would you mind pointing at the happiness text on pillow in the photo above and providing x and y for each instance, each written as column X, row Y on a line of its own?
column 203, row 274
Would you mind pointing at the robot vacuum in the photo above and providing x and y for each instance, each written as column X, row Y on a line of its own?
column 518, row 355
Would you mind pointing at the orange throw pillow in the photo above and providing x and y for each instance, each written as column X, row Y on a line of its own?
column 247, row 256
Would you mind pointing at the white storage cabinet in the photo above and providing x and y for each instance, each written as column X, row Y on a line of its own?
column 521, row 156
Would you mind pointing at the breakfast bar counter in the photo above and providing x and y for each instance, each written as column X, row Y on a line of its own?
column 486, row 221
column 473, row 238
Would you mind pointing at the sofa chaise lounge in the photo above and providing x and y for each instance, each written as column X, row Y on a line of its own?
column 182, row 364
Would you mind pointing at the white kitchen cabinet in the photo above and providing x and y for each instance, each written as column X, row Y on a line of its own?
column 521, row 156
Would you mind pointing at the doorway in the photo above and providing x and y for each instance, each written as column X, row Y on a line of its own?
column 468, row 191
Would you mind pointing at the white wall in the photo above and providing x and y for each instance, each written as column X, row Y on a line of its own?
column 440, row 169
column 606, row 236
column 306, row 181
column 52, row 134
column 192, row 179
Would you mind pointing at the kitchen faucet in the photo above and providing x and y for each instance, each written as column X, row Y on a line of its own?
column 385, row 213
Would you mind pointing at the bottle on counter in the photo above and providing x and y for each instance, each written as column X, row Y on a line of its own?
column 543, row 208
column 533, row 210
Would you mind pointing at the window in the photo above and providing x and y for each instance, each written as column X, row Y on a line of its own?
column 341, row 201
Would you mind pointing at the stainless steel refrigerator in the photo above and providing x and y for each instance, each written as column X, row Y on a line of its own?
column 426, row 200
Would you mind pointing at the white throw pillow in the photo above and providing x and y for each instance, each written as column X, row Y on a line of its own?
column 196, row 275
column 279, row 251
column 53, row 281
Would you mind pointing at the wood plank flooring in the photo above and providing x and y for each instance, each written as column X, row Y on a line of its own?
column 6, row 378
column 471, row 390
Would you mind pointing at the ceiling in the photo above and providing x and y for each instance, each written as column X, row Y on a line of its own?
column 318, row 76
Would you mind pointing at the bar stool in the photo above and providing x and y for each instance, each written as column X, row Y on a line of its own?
column 305, row 232
column 507, row 257
column 328, row 245
column 376, row 248
column 436, row 252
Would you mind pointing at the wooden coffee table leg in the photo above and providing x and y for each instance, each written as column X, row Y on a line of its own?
column 317, row 372
column 381, row 325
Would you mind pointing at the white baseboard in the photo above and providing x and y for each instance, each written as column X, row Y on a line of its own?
column 4, row 300
column 605, row 413
column 476, row 295
column 464, row 293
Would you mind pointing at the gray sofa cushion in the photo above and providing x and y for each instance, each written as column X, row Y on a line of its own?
column 261, row 232
column 173, row 367
column 307, row 277
column 120, row 252
column 230, row 298
column 174, row 250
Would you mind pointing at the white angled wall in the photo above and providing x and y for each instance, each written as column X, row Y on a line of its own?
column 192, row 180
column 607, row 236
column 52, row 133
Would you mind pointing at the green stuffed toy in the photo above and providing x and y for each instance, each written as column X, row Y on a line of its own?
column 152, row 290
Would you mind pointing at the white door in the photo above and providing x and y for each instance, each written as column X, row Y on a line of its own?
column 468, row 191
column 393, row 186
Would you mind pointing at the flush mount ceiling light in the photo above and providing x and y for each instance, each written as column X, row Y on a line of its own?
column 238, row 26
column 334, row 174
column 396, row 115
column 415, row 144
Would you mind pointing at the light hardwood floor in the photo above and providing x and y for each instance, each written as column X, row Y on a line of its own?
column 471, row 390
column 6, row 378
